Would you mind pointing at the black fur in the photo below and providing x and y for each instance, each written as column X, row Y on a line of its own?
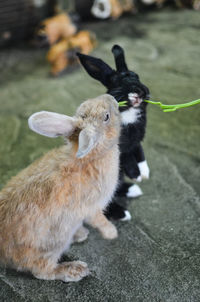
column 115, row 211
column 119, row 84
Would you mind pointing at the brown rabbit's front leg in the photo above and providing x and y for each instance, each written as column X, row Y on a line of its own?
column 106, row 228
column 81, row 234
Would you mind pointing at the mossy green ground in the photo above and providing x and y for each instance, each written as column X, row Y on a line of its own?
column 157, row 254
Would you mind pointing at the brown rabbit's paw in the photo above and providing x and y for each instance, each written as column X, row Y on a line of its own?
column 81, row 234
column 109, row 232
column 66, row 271
column 73, row 271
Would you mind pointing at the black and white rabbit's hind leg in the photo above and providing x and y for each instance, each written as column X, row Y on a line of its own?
column 134, row 165
column 115, row 210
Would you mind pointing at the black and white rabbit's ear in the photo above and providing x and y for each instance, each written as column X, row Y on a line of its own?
column 52, row 124
column 119, row 58
column 96, row 68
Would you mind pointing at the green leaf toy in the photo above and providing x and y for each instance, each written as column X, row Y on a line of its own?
column 122, row 104
column 166, row 108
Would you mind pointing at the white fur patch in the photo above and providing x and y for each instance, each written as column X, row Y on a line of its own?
column 101, row 9
column 144, row 169
column 135, row 99
column 130, row 116
column 127, row 216
column 134, row 191
column 148, row 1
column 139, row 178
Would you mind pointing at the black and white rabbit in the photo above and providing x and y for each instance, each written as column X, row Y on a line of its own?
column 124, row 85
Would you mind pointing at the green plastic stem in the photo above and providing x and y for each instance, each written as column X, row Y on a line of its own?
column 166, row 108
column 169, row 108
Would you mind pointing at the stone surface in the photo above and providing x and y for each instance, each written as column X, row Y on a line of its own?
column 157, row 255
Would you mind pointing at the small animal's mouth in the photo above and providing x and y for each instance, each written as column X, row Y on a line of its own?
column 135, row 99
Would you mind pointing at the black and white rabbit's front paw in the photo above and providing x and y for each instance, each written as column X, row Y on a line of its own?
column 130, row 190
column 144, row 170
column 134, row 191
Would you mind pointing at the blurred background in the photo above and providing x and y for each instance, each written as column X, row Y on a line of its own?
column 156, row 257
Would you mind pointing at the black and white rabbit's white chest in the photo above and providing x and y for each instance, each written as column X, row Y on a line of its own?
column 130, row 116
column 134, row 111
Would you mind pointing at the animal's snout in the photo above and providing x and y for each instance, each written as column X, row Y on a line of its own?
column 135, row 99
column 142, row 91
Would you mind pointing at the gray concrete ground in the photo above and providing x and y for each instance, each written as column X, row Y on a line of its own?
column 157, row 255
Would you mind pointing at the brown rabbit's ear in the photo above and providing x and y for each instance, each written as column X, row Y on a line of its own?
column 51, row 124
column 88, row 139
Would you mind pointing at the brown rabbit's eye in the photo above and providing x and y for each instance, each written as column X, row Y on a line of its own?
column 107, row 117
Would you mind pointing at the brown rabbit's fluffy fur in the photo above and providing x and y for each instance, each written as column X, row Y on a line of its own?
column 43, row 207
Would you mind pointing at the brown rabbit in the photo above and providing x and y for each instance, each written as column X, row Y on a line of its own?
column 42, row 208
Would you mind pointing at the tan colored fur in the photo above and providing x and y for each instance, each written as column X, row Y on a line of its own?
column 118, row 7
column 43, row 207
column 57, row 55
column 57, row 27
